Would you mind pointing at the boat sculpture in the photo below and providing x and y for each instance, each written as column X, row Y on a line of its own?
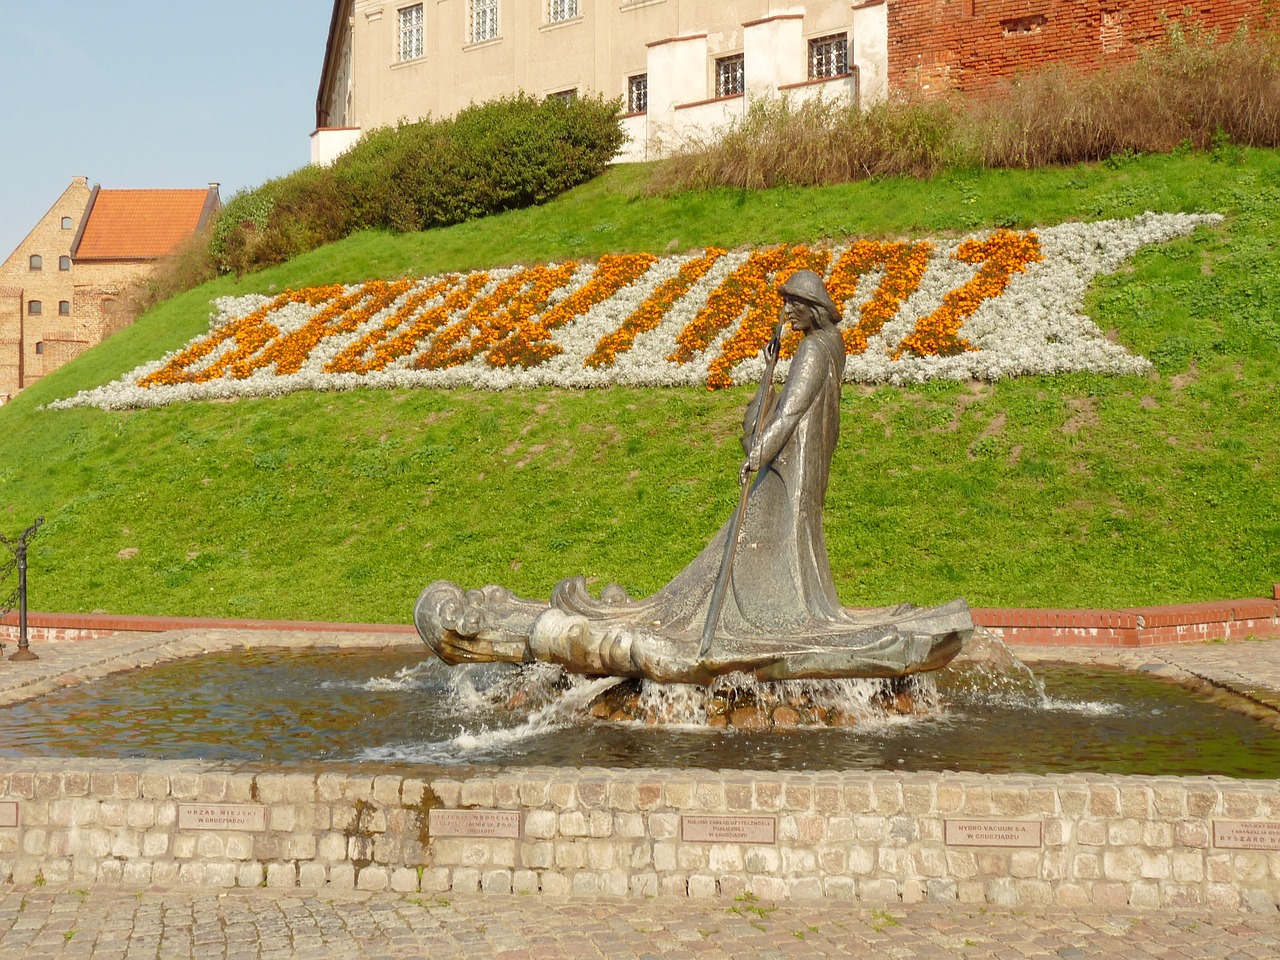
column 759, row 598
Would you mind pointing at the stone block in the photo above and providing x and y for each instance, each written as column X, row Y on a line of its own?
column 342, row 876
column 220, row 874
column 679, row 794
column 879, row 890
column 1124, row 865
column 911, row 891
column 828, row 799
column 1187, row 866
column 329, row 787
column 373, row 878
column 506, row 793
column 1135, row 801
column 240, row 788
column 48, row 786
column 136, row 873
column 386, row 791
column 797, row 797
column 434, row 880
column 664, row 826
column 624, row 795
column 886, row 797
column 154, row 786
column 613, row 883
column 600, row 856
column 572, row 823
column 673, row 887
column 798, row 888
column 570, row 855
column 1191, row 833
column 1181, row 895
column 1111, row 895
column 155, row 843
column 524, row 882
column 212, row 787
column 644, row 885
column 593, row 794
column 1104, row 800
column 537, row 855
column 693, row 856
column 356, row 788
column 139, row 814
column 941, row 891
column 313, row 876
column 726, row 858
column 75, row 783
column 1202, row 802
column 664, row 857
column 281, row 875
column 165, row 872
column 628, row 826
column 477, row 792
column 534, row 792
column 1169, row 801
column 1222, row 896
column 768, row 795
column 282, row 818
column 184, row 786
column 254, row 874
column 800, row 860
column 1124, row 833
column 977, row 800
column 126, row 844
column 871, row 829
column 862, row 859
column 211, row 845
column 840, row 888
column 35, row 842
column 600, row 824
column 191, row 873
column 562, row 795
column 649, row 795
column 1009, row 802
column 857, row 797
column 1144, row 895
column 554, row 884
column 585, row 884
column 1002, row 891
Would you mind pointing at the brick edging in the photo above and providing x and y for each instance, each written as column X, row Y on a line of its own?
column 1126, row 627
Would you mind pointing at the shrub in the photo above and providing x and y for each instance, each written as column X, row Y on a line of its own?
column 1188, row 90
column 491, row 157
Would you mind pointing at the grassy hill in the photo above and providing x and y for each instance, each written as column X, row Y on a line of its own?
column 1077, row 490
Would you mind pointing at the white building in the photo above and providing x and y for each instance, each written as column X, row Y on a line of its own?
column 678, row 65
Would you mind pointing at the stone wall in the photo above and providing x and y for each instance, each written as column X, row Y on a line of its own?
column 878, row 837
column 940, row 45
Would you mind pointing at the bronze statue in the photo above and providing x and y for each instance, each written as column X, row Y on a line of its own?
column 759, row 598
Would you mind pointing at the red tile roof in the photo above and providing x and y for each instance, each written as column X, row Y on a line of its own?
column 139, row 224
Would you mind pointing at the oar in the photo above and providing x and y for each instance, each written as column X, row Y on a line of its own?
column 734, row 533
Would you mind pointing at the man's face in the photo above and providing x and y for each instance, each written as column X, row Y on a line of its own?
column 801, row 315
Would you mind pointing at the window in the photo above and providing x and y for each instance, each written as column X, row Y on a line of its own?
column 564, row 96
column 484, row 20
column 562, row 10
column 64, row 263
column 730, row 76
column 64, row 308
column 638, row 94
column 829, row 56
column 66, row 223
column 36, row 262
column 411, row 32
column 40, row 347
column 34, row 308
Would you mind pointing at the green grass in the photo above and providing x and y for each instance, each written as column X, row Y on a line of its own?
column 1044, row 491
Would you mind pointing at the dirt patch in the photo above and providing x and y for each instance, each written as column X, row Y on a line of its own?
column 1084, row 413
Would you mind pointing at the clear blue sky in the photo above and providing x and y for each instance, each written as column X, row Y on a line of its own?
column 152, row 93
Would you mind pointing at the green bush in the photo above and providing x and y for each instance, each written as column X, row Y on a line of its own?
column 501, row 155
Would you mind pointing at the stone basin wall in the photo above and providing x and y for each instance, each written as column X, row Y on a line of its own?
column 876, row 837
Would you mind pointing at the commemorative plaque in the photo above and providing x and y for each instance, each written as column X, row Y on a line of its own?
column 8, row 813
column 722, row 829
column 249, row 817
column 994, row 833
column 496, row 824
column 1246, row 835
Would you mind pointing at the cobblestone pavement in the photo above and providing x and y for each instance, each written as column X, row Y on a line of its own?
column 101, row 923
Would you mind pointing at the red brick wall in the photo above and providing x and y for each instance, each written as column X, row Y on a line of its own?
column 941, row 45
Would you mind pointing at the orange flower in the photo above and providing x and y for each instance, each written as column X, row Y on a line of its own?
column 1002, row 255
column 649, row 314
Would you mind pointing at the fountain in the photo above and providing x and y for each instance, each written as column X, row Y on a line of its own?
column 758, row 601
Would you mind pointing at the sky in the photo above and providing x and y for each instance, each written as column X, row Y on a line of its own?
column 152, row 93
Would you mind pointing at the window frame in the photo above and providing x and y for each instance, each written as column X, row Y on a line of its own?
column 825, row 54
column 35, row 308
column 64, row 259
column 725, row 71
column 488, row 10
column 558, row 11
column 417, row 32
column 643, row 98
column 35, row 263
column 64, row 304
column 68, row 223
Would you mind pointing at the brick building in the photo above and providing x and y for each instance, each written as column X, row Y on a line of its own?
column 58, row 289
column 937, row 46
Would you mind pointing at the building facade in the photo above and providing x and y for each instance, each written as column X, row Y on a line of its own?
column 689, row 66
column 677, row 65
column 59, row 289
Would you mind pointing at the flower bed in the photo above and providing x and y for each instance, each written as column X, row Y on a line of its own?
column 983, row 307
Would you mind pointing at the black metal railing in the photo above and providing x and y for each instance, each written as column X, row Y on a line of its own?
column 18, row 598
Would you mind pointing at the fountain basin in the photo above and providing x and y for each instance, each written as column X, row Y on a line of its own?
column 878, row 836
